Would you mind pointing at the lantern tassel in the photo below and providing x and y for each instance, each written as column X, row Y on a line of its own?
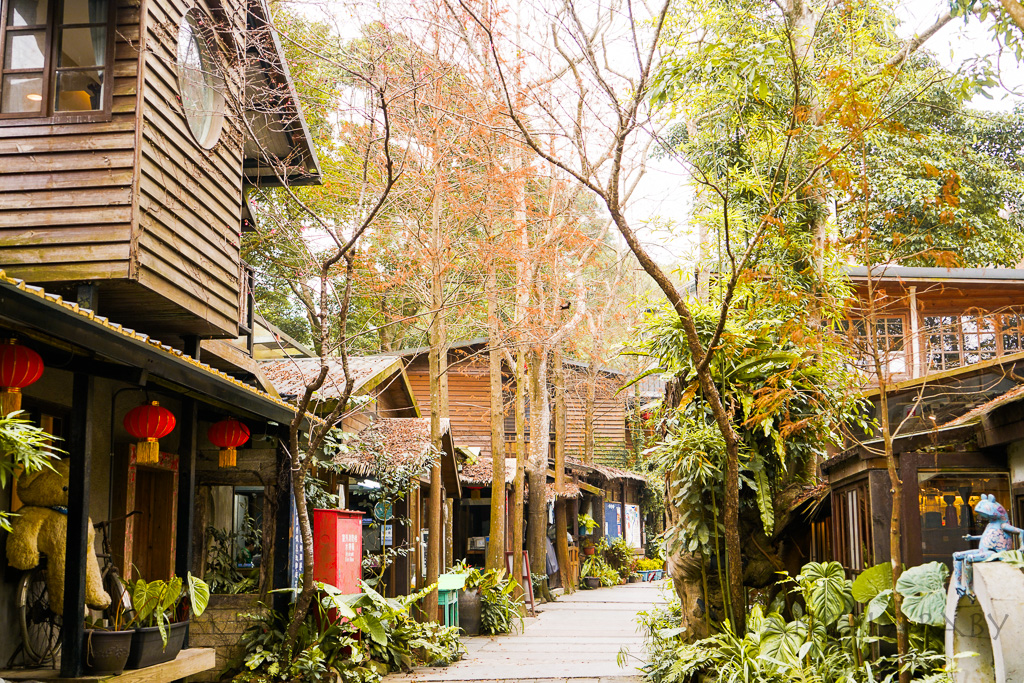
column 147, row 452
column 228, row 457
column 10, row 401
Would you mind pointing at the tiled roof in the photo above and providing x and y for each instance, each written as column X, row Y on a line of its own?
column 290, row 375
column 404, row 440
column 985, row 408
column 101, row 321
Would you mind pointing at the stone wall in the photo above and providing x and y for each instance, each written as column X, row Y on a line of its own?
column 220, row 627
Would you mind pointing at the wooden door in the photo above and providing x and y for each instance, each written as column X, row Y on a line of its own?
column 153, row 544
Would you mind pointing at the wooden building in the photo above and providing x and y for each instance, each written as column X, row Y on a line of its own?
column 469, row 401
column 130, row 133
column 951, row 341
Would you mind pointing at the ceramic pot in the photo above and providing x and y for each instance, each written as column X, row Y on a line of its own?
column 148, row 647
column 469, row 611
column 592, row 581
column 106, row 651
column 589, row 550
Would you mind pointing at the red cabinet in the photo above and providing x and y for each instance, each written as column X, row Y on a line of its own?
column 338, row 548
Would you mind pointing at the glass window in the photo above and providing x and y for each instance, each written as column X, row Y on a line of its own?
column 1010, row 332
column 55, row 57
column 851, row 527
column 888, row 339
column 199, row 81
column 946, row 501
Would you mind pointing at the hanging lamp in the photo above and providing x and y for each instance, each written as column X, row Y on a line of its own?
column 228, row 435
column 20, row 366
column 149, row 423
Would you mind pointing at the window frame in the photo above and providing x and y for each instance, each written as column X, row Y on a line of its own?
column 1000, row 328
column 855, row 329
column 47, row 114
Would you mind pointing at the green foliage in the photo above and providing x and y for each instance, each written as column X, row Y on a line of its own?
column 222, row 572
column 824, row 642
column 620, row 557
column 924, row 593
column 788, row 390
column 155, row 603
column 500, row 609
column 588, row 523
column 24, row 447
column 597, row 567
column 350, row 638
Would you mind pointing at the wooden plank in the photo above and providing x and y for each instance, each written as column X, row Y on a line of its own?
column 67, row 272
column 163, row 261
column 68, row 180
column 65, row 253
column 75, row 235
column 188, row 662
column 86, row 215
column 43, row 163
column 64, row 143
column 67, row 201
column 116, row 124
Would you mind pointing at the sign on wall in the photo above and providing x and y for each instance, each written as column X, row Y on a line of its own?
column 633, row 526
column 612, row 520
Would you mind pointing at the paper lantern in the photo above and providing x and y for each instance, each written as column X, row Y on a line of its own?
column 149, row 423
column 20, row 366
column 228, row 435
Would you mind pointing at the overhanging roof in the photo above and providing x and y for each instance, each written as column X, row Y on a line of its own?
column 46, row 316
column 926, row 274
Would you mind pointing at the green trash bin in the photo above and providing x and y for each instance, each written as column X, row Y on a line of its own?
column 448, row 587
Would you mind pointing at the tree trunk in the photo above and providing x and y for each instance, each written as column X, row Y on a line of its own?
column 437, row 363
column 561, row 530
column 540, row 418
column 496, row 545
column 520, row 482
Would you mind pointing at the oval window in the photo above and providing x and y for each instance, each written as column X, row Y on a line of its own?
column 199, row 81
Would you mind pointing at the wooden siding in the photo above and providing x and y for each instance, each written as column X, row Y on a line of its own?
column 66, row 188
column 189, row 199
column 470, row 405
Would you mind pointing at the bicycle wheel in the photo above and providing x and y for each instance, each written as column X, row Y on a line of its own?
column 40, row 627
column 120, row 610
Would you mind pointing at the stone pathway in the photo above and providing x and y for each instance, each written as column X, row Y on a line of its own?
column 575, row 639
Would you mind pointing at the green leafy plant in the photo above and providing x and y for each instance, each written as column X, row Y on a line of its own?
column 156, row 603
column 500, row 609
column 350, row 638
column 620, row 557
column 24, row 448
column 588, row 523
column 595, row 566
column 824, row 641
column 222, row 572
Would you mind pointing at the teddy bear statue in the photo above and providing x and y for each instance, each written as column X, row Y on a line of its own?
column 42, row 527
column 994, row 539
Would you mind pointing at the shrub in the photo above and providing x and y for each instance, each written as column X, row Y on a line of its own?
column 499, row 606
column 647, row 565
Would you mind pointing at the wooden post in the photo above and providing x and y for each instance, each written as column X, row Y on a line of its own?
column 282, row 572
column 434, row 532
column 186, row 490
column 449, row 533
column 79, row 447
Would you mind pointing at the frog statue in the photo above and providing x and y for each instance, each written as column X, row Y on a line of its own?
column 995, row 539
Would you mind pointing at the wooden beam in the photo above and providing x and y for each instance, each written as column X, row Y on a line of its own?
column 79, row 447
column 188, row 424
column 282, row 567
column 589, row 488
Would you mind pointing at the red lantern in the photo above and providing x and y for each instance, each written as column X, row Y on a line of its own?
column 228, row 435
column 149, row 423
column 20, row 366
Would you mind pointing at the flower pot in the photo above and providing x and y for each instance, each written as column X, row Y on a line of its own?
column 592, row 582
column 106, row 651
column 469, row 611
column 148, row 647
column 589, row 550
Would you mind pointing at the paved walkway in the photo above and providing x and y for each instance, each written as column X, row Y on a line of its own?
column 576, row 638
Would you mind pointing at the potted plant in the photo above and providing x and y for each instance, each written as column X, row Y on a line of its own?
column 106, row 648
column 592, row 571
column 157, row 638
column 587, row 524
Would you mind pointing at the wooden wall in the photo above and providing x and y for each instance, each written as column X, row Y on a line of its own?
column 133, row 203
column 189, row 199
column 470, row 405
column 66, row 188
column 469, row 400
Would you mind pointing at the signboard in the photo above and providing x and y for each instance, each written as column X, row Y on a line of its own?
column 633, row 526
column 389, row 536
column 612, row 520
